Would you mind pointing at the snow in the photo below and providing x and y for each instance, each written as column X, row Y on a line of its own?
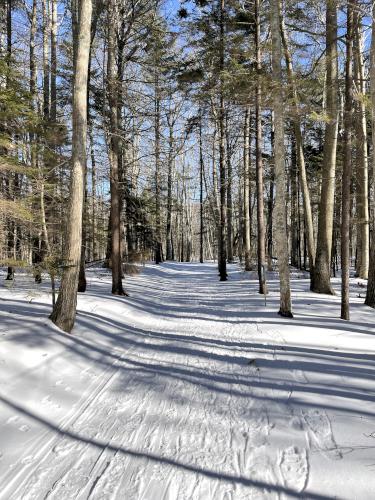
column 189, row 389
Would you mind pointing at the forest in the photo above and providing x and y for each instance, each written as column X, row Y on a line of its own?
column 187, row 182
column 213, row 130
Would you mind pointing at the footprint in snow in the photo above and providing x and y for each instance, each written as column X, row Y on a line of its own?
column 294, row 468
column 320, row 430
column 300, row 377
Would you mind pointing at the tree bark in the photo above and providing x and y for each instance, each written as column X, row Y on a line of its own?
column 64, row 311
column 361, row 153
column 246, row 191
column 309, row 226
column 201, row 171
column 169, row 248
column 261, row 247
column 114, row 146
column 53, row 113
column 347, row 167
column 370, row 295
column 46, row 65
column 229, row 195
column 158, row 244
column 279, row 155
column 222, row 167
column 320, row 282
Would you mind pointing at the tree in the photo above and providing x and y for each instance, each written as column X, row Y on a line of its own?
column 361, row 161
column 370, row 295
column 279, row 158
column 321, row 282
column 261, row 248
column 347, row 169
column 64, row 312
column 114, row 152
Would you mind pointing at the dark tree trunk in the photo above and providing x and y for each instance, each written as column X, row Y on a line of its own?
column 370, row 295
column 222, row 249
column 201, row 170
column 114, row 146
column 261, row 247
column 347, row 167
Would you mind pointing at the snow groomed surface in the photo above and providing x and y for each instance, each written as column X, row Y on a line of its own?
column 188, row 389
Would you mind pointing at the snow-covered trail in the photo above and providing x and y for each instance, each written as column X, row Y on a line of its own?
column 188, row 389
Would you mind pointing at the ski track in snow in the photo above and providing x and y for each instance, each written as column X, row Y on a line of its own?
column 188, row 389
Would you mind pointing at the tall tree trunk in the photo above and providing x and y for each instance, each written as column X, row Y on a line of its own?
column 370, row 295
column 64, row 311
column 33, row 138
column 229, row 195
column 279, row 155
column 9, row 181
column 320, row 282
column 169, row 252
column 114, row 146
column 261, row 247
column 246, row 192
column 309, row 226
column 95, row 253
column 293, row 205
column 53, row 113
column 361, row 152
column 158, row 245
column 347, row 166
column 222, row 167
column 46, row 65
column 201, row 171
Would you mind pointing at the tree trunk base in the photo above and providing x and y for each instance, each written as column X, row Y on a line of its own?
column 285, row 314
column 324, row 289
column 64, row 323
column 370, row 302
column 120, row 293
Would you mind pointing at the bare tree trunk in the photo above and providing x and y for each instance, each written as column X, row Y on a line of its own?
column 261, row 247
column 222, row 167
column 201, row 171
column 11, row 228
column 95, row 253
column 53, row 113
column 33, row 74
column 169, row 252
column 246, row 192
column 114, row 146
column 33, row 138
column 46, row 66
column 370, row 295
column 229, row 195
column 361, row 153
column 158, row 244
column 309, row 227
column 293, row 205
column 64, row 311
column 347, row 167
column 320, row 282
column 279, row 154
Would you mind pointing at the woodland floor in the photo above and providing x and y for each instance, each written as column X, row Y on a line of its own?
column 188, row 389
